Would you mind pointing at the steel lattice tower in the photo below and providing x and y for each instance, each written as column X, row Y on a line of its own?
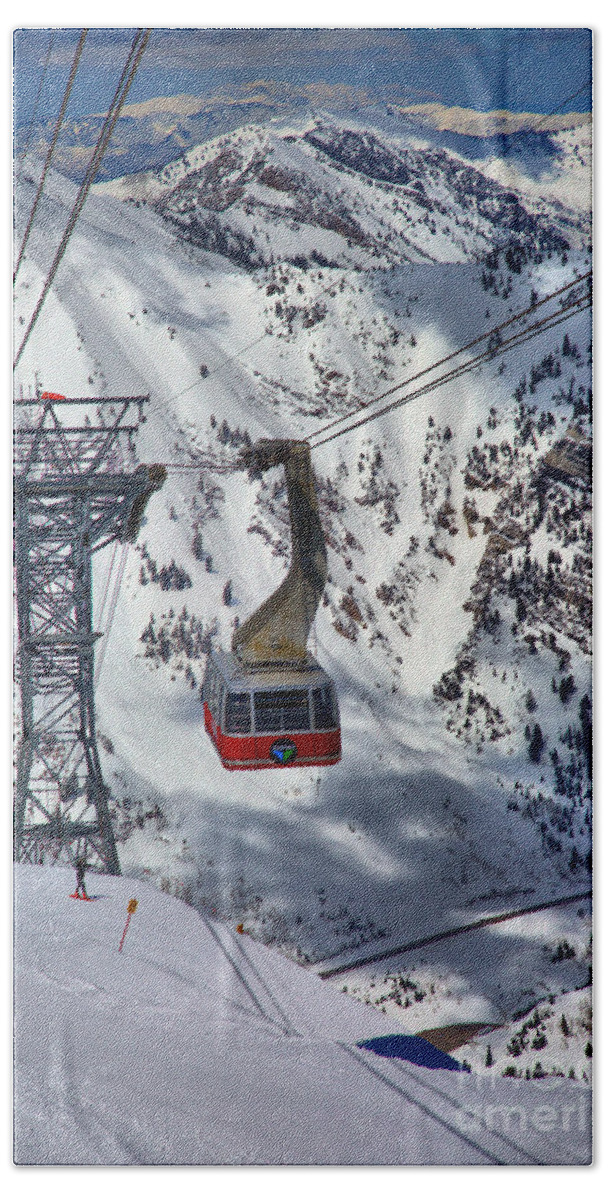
column 72, row 498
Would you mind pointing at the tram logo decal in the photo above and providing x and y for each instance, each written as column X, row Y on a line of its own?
column 283, row 751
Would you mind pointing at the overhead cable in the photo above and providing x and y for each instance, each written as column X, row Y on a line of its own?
column 51, row 150
column 140, row 42
column 30, row 128
column 250, row 345
column 550, row 321
column 111, row 612
column 496, row 329
column 484, row 337
column 524, row 335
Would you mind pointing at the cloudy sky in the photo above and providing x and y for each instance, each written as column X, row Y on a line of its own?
column 529, row 70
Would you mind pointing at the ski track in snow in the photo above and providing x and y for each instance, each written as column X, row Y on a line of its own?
column 125, row 1061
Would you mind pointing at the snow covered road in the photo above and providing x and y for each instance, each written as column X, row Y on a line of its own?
column 197, row 1045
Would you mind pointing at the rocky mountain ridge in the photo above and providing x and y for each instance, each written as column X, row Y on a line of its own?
column 375, row 202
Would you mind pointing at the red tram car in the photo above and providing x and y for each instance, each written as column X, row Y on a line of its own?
column 270, row 718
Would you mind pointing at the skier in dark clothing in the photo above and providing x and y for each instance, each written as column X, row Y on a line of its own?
column 81, row 891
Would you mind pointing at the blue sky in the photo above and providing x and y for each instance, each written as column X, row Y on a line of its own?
column 533, row 70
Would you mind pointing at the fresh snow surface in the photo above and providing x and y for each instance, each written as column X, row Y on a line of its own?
column 197, row 1045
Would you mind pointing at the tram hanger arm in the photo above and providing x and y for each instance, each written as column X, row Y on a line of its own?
column 277, row 633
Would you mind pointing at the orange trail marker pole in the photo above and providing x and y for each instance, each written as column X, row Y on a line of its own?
column 131, row 906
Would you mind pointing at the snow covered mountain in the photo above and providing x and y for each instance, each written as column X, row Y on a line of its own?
column 265, row 284
column 259, row 196
column 551, row 151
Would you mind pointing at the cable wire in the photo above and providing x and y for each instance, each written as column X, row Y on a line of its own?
column 51, row 151
column 111, row 613
column 487, row 355
column 30, row 128
column 140, row 42
column 454, row 353
column 549, row 322
column 524, row 335
column 250, row 346
column 230, row 358
column 102, row 608
column 554, row 112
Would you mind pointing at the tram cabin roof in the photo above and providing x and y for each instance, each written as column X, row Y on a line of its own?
column 239, row 677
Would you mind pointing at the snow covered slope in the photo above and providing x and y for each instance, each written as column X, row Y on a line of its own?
column 456, row 615
column 259, row 196
column 195, row 1045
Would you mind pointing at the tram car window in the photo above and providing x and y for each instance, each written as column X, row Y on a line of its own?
column 281, row 712
column 324, row 708
column 238, row 712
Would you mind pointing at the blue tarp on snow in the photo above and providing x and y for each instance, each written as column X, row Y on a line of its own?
column 414, row 1050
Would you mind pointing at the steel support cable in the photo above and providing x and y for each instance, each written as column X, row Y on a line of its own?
column 204, row 465
column 454, row 353
column 457, row 372
column 525, row 335
column 128, row 73
column 234, row 358
column 111, row 612
column 30, row 128
column 555, row 111
column 137, row 49
column 404, row 383
column 549, row 322
column 454, row 373
column 99, row 617
column 51, row 150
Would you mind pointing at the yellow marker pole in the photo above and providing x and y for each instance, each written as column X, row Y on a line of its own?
column 131, row 906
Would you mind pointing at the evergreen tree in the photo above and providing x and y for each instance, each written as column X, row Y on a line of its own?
column 535, row 747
